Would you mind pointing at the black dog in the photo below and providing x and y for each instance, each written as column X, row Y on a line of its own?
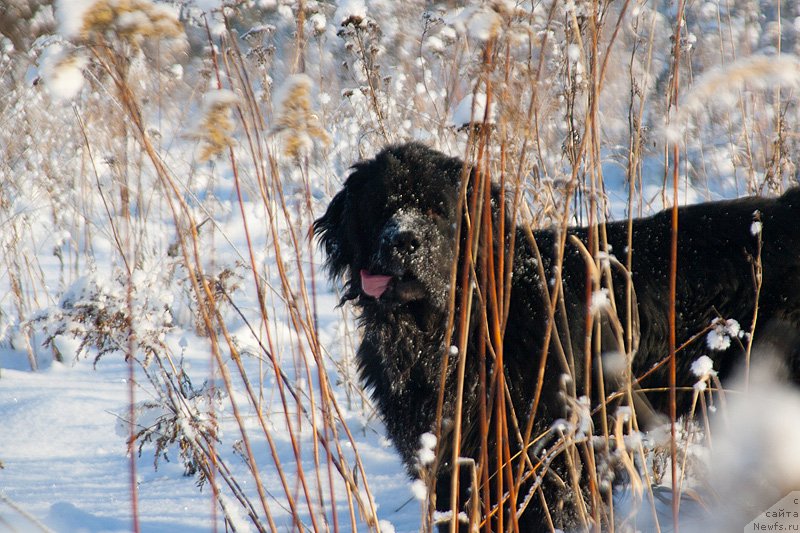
column 391, row 234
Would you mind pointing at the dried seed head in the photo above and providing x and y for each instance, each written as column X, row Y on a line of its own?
column 295, row 120
column 217, row 125
column 129, row 20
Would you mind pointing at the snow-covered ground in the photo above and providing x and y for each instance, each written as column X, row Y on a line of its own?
column 65, row 462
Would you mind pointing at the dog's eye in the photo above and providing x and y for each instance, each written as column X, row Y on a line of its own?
column 434, row 214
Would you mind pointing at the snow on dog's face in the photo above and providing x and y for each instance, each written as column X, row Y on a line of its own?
column 391, row 230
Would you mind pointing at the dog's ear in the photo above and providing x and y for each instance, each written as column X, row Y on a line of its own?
column 331, row 228
column 500, row 205
column 499, row 201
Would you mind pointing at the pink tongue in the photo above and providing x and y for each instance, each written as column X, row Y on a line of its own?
column 374, row 284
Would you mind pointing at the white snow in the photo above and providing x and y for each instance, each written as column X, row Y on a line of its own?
column 428, row 440
column 419, row 489
column 703, row 367
column 347, row 9
column 719, row 86
column 434, row 44
column 426, row 456
column 386, row 526
column 600, row 301
column 318, row 22
column 464, row 113
column 719, row 338
column 62, row 71
column 64, row 463
column 219, row 97
column 481, row 23
column 70, row 13
column 427, row 453
column 440, row 517
column 484, row 24
column 574, row 52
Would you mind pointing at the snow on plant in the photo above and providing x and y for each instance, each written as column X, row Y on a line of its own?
column 722, row 84
column 184, row 416
column 222, row 286
column 600, row 301
column 350, row 12
column 108, row 30
column 579, row 424
column 722, row 332
column 62, row 71
column 362, row 37
column 472, row 110
column 105, row 315
column 444, row 517
column 70, row 15
column 481, row 23
column 703, row 367
column 757, row 225
column 419, row 489
column 318, row 22
column 427, row 449
column 386, row 526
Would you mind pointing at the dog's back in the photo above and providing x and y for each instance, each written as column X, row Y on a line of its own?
column 731, row 256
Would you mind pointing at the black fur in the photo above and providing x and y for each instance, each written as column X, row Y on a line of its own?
column 397, row 215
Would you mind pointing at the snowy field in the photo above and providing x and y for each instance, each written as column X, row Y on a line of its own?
column 172, row 356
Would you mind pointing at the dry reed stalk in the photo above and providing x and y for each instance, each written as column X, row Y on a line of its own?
column 673, row 266
column 304, row 322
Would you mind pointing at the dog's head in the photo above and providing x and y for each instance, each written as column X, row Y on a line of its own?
column 390, row 233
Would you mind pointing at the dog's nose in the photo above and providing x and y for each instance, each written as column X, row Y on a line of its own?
column 405, row 241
